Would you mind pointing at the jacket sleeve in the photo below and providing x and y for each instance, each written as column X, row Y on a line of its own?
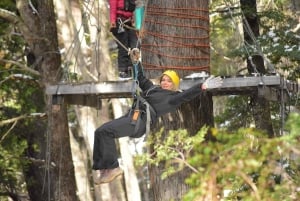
column 144, row 82
column 113, row 10
column 186, row 95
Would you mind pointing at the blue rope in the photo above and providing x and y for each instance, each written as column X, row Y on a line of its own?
column 135, row 83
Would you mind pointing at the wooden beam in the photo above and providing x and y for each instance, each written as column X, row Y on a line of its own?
column 89, row 94
column 125, row 87
column 107, row 89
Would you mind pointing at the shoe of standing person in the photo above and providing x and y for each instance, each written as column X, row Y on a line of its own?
column 110, row 174
column 99, row 175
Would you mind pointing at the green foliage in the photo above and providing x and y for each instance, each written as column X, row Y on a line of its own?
column 293, row 124
column 248, row 165
column 20, row 94
column 173, row 150
column 11, row 163
column 238, row 113
column 8, row 5
column 282, row 47
column 277, row 41
column 223, row 37
column 67, row 74
column 242, row 165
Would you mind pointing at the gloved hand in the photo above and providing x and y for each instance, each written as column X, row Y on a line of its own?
column 135, row 55
column 212, row 82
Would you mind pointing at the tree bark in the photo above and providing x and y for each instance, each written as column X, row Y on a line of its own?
column 87, row 58
column 176, row 36
column 41, row 36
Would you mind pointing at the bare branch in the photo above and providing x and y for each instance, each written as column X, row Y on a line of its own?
column 12, row 120
column 36, row 161
column 180, row 160
column 22, row 66
column 16, row 76
column 3, row 137
column 9, row 16
column 251, row 184
column 296, row 28
column 16, row 20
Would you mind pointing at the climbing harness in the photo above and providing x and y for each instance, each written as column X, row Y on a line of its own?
column 122, row 24
column 136, row 92
column 135, row 56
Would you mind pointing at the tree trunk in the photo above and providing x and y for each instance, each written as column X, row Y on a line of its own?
column 34, row 172
column 78, row 20
column 41, row 36
column 296, row 10
column 260, row 106
column 176, row 36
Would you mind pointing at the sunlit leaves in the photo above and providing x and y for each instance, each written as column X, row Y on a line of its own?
column 243, row 164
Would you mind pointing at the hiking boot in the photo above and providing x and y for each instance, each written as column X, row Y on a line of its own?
column 99, row 175
column 110, row 174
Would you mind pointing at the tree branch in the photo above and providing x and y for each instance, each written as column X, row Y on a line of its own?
column 17, row 21
column 15, row 121
column 16, row 76
column 22, row 66
column 9, row 16
column 4, row 136
column 251, row 184
column 12, row 120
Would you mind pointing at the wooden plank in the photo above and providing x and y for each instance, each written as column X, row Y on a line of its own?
column 86, row 100
column 124, row 88
column 90, row 94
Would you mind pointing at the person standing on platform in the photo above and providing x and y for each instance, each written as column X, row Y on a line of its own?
column 121, row 21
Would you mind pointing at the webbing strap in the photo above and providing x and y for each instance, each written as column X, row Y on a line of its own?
column 136, row 91
column 149, row 110
column 148, row 121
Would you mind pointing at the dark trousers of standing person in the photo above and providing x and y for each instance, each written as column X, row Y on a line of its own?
column 105, row 155
column 128, row 38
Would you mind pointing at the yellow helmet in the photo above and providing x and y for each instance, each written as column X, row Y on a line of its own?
column 174, row 77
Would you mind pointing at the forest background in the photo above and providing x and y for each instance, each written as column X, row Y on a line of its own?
column 45, row 149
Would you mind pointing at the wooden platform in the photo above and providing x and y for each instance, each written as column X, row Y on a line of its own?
column 271, row 87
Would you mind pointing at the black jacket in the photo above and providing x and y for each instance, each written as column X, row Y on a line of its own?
column 164, row 101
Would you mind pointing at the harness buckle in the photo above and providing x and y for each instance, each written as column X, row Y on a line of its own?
column 135, row 116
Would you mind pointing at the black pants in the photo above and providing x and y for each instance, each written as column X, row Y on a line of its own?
column 105, row 155
column 129, row 39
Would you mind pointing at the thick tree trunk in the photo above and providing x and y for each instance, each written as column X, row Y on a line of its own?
column 176, row 36
column 260, row 106
column 41, row 36
column 34, row 172
column 88, row 59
